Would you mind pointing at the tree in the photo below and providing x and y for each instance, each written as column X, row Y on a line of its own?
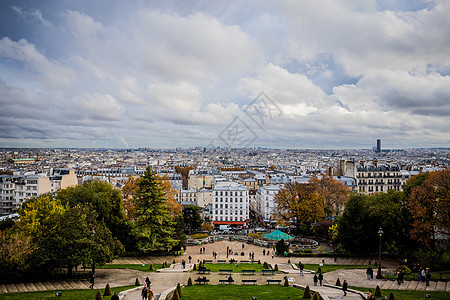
column 299, row 203
column 169, row 194
column 128, row 191
column 154, row 221
column 15, row 250
column 429, row 204
column 184, row 171
column 357, row 231
column 192, row 218
column 207, row 226
column 335, row 193
column 281, row 247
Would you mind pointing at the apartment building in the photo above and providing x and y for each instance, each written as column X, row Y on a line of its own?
column 15, row 189
column 265, row 203
column 230, row 204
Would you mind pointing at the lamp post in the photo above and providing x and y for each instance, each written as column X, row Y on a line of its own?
column 380, row 233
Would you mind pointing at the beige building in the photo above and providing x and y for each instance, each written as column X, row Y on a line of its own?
column 198, row 182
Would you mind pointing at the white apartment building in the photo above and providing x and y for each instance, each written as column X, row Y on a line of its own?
column 15, row 189
column 265, row 203
column 230, row 204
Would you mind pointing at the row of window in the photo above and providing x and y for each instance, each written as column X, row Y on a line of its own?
column 231, row 200
column 229, row 212
column 217, row 218
column 226, row 193
column 226, row 206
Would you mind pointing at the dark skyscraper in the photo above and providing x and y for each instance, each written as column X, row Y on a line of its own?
column 379, row 145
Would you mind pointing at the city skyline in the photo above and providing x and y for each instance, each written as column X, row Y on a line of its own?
column 276, row 74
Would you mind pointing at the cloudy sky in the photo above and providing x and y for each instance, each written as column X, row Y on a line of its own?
column 284, row 74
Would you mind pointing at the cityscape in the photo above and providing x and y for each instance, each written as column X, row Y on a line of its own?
column 224, row 149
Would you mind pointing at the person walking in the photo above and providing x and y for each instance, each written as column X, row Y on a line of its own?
column 320, row 279
column 427, row 278
column 183, row 263
column 368, row 273
column 345, row 287
column 301, row 267
column 190, row 257
column 115, row 296
column 315, row 279
column 147, row 282
column 144, row 293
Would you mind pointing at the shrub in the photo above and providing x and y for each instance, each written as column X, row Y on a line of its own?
column 198, row 236
column 259, row 261
column 255, row 236
column 150, row 268
column 307, row 293
column 320, row 249
column 319, row 270
column 276, row 268
column 316, row 296
column 404, row 269
column 107, row 290
column 338, row 282
column 286, row 282
column 391, row 296
column 189, row 282
column 289, row 261
column 195, row 267
column 137, row 282
column 179, row 289
column 173, row 261
column 175, row 295
column 378, row 291
column 98, row 296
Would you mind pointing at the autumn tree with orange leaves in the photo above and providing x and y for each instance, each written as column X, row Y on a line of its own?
column 298, row 203
column 428, row 200
column 335, row 194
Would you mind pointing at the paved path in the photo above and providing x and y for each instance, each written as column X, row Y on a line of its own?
column 166, row 279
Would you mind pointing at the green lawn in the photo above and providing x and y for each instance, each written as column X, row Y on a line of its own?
column 138, row 267
column 237, row 292
column 66, row 294
column 329, row 268
column 444, row 275
column 408, row 295
column 236, row 269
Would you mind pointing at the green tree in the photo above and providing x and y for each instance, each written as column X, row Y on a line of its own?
column 154, row 221
column 300, row 203
column 335, row 193
column 357, row 232
column 15, row 250
column 192, row 218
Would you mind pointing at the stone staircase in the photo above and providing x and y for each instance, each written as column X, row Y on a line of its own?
column 43, row 286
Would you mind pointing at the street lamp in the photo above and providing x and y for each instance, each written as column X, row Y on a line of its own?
column 380, row 233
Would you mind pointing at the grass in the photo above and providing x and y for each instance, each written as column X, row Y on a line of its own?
column 237, row 292
column 444, row 275
column 329, row 268
column 138, row 267
column 236, row 269
column 408, row 294
column 66, row 294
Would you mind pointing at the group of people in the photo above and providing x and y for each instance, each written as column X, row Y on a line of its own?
column 146, row 292
column 369, row 273
column 202, row 250
column 318, row 279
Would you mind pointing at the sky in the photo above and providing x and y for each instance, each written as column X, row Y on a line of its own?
column 279, row 74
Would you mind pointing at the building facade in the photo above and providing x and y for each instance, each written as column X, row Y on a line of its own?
column 230, row 204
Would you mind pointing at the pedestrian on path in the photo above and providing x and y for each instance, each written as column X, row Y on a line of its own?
column 301, row 267
column 183, row 263
column 264, row 252
column 320, row 279
column 344, row 287
column 147, row 282
column 315, row 279
column 427, row 278
column 369, row 273
column 115, row 296
column 189, row 258
column 144, row 293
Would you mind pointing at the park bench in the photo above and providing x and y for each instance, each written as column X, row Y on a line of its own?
column 254, row 262
column 249, row 272
column 277, row 281
column 244, row 261
column 221, row 271
column 208, row 261
column 244, row 281
column 265, row 272
column 201, row 281
column 220, row 261
column 223, row 281
column 204, row 271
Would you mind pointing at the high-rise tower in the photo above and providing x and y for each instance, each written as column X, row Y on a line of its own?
column 379, row 145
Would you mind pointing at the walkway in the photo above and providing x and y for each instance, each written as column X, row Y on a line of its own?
column 166, row 279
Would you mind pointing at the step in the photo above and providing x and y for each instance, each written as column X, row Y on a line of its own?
column 421, row 286
column 432, row 286
column 441, row 286
column 404, row 285
column 11, row 288
column 72, row 284
column 21, row 287
column 448, row 286
column 30, row 287
column 3, row 289
column 413, row 285
column 49, row 286
column 40, row 286
column 81, row 284
column 58, row 285
column 387, row 284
